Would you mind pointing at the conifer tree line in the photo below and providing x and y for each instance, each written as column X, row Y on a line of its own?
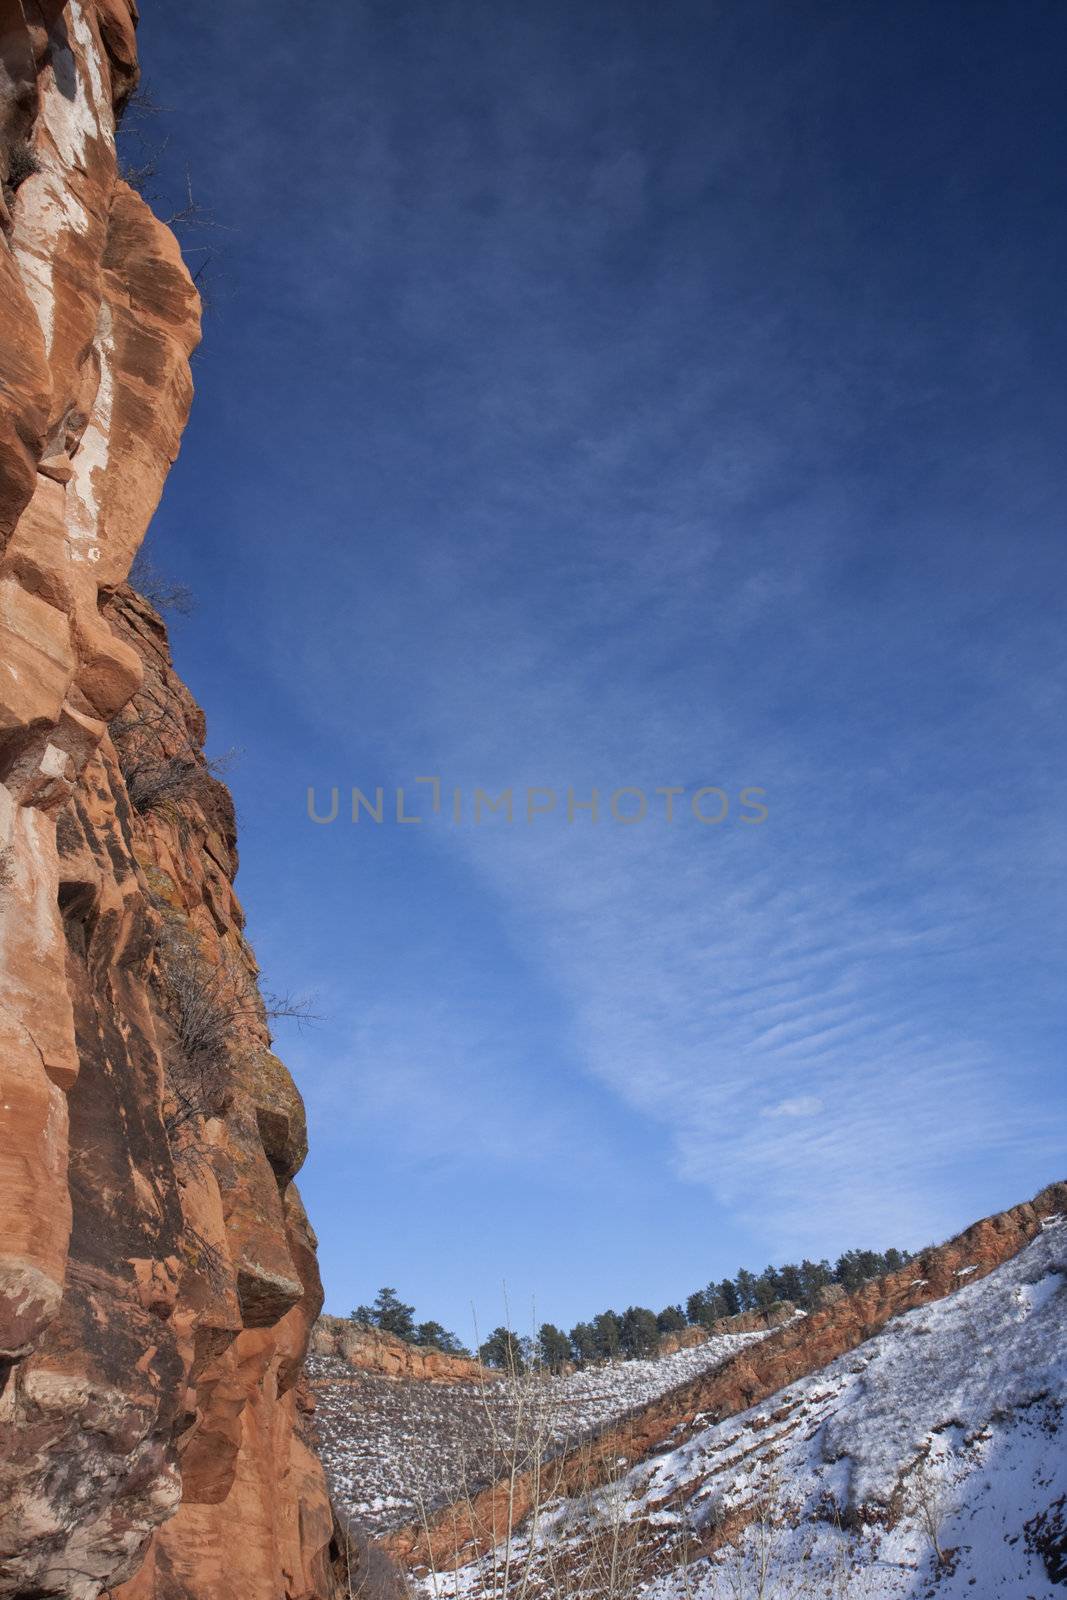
column 634, row 1334
column 391, row 1315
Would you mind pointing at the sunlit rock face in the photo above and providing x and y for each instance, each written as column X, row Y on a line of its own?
column 373, row 1350
column 157, row 1272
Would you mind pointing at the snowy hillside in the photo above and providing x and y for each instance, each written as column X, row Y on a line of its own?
column 930, row 1461
column 393, row 1449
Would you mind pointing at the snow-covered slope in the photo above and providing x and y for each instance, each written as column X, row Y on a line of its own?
column 930, row 1461
column 394, row 1449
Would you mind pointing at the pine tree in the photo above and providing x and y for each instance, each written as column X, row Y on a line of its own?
column 729, row 1298
column 814, row 1275
column 639, row 1333
column 696, row 1308
column 390, row 1314
column 607, row 1332
column 767, row 1290
column 503, row 1349
column 790, row 1283
column 393, row 1316
column 671, row 1319
column 745, row 1285
column 583, row 1343
column 554, row 1347
column 435, row 1337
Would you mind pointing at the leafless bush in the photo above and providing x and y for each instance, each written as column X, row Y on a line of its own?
column 204, row 1257
column 141, row 106
column 7, row 867
column 202, row 1001
column 159, row 763
column 156, row 588
column 139, row 174
column 927, row 1504
column 551, row 1525
column 609, row 1565
column 192, row 213
column 363, row 1570
column 205, row 1003
column 520, row 1471
column 750, row 1563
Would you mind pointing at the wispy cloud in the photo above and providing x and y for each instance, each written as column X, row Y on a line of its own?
column 657, row 411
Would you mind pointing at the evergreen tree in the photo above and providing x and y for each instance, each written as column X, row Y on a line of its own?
column 390, row 1314
column 435, row 1337
column 607, row 1332
column 639, row 1333
column 504, row 1350
column 814, row 1275
column 790, row 1283
column 583, row 1343
column 696, row 1309
column 553, row 1347
column 849, row 1269
column 745, row 1284
column 871, row 1264
column 767, row 1288
column 730, row 1298
column 671, row 1319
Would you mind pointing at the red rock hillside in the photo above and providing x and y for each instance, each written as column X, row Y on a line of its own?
column 794, row 1350
column 157, row 1273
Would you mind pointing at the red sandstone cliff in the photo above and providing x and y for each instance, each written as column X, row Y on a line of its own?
column 157, row 1273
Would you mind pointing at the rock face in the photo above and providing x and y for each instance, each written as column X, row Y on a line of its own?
column 370, row 1350
column 775, row 1316
column 157, row 1272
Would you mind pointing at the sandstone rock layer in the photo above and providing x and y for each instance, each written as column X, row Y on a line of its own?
column 370, row 1350
column 157, row 1273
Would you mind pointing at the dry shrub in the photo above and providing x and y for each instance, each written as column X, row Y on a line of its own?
column 22, row 163
column 362, row 1569
column 155, row 587
column 208, row 1005
column 544, row 1537
column 159, row 760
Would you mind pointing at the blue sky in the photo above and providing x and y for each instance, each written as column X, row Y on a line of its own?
column 636, row 396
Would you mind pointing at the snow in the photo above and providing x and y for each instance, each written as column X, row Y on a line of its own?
column 949, row 1420
column 393, row 1448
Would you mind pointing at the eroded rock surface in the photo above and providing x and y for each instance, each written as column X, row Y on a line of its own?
column 157, row 1272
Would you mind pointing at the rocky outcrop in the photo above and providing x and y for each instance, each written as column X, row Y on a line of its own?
column 775, row 1316
column 801, row 1346
column 370, row 1350
column 682, row 1339
column 157, row 1272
